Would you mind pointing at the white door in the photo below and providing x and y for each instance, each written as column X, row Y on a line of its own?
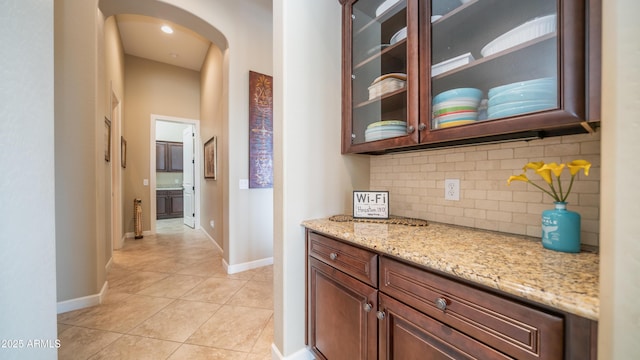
column 188, row 184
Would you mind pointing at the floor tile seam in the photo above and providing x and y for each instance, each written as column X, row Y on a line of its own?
column 215, row 348
column 218, row 348
column 181, row 295
column 120, row 335
column 150, row 316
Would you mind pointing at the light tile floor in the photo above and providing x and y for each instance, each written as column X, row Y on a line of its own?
column 170, row 298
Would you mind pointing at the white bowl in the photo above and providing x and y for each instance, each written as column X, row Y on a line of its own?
column 528, row 31
column 385, row 6
column 399, row 35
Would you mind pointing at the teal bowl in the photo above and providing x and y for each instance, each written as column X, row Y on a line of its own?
column 453, row 94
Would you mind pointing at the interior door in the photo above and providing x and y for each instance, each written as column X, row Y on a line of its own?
column 188, row 176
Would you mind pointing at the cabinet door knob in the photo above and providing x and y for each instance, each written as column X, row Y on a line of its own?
column 441, row 303
column 333, row 256
column 380, row 315
column 367, row 307
column 410, row 129
column 422, row 126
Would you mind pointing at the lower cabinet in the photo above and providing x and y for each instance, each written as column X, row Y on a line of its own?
column 365, row 305
column 169, row 204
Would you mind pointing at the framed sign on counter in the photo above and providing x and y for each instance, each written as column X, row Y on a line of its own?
column 371, row 204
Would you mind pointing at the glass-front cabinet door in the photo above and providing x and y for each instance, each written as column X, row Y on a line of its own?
column 380, row 74
column 501, row 67
column 428, row 73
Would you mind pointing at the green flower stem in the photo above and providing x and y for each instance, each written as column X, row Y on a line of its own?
column 560, row 189
column 555, row 194
column 548, row 193
column 568, row 191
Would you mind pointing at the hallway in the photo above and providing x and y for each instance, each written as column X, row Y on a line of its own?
column 170, row 298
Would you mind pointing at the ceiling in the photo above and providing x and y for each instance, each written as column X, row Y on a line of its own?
column 141, row 36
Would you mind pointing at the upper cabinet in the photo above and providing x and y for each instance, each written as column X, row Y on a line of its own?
column 168, row 156
column 447, row 72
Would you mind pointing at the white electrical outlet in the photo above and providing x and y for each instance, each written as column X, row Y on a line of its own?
column 452, row 189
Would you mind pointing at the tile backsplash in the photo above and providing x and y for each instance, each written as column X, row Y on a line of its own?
column 415, row 181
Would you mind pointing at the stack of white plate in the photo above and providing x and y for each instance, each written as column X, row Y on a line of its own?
column 522, row 97
column 385, row 129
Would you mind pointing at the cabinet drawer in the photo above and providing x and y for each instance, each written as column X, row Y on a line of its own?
column 359, row 263
column 515, row 329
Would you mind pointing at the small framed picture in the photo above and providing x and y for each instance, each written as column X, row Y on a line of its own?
column 107, row 139
column 210, row 159
column 371, row 204
column 123, row 152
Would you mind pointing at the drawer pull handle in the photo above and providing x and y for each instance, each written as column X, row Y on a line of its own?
column 367, row 307
column 333, row 256
column 380, row 315
column 441, row 304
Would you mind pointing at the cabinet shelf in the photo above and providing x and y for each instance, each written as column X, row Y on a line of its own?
column 526, row 61
column 461, row 26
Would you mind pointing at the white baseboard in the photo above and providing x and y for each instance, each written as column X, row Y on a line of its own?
column 215, row 243
column 302, row 354
column 83, row 302
column 233, row 269
column 108, row 266
column 131, row 235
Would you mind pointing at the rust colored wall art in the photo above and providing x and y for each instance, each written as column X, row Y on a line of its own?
column 260, row 130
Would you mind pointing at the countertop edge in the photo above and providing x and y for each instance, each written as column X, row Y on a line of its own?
column 568, row 302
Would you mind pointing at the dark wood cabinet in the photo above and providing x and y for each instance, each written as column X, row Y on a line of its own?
column 169, row 204
column 446, row 45
column 168, row 156
column 407, row 334
column 343, row 299
column 365, row 305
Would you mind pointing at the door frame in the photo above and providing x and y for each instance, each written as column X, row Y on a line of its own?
column 197, row 149
column 117, row 209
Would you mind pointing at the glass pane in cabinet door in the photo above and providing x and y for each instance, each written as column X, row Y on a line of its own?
column 492, row 59
column 379, row 63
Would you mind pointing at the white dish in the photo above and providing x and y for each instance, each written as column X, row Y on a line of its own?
column 385, row 6
column 399, row 35
column 377, row 49
column 451, row 64
column 528, row 31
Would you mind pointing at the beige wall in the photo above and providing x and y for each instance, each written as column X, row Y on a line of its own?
column 311, row 178
column 113, row 86
column 212, row 117
column 151, row 88
column 620, row 229
column 415, row 182
column 80, row 167
column 27, row 201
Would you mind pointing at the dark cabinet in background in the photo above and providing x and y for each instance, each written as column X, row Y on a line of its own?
column 169, row 204
column 168, row 156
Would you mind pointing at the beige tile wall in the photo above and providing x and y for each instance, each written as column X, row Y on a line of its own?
column 415, row 182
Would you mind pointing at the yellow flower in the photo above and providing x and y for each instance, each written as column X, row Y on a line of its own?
column 521, row 177
column 545, row 170
column 557, row 169
column 544, row 174
column 576, row 165
column 533, row 165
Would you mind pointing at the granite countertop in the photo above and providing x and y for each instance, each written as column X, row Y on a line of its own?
column 168, row 188
column 517, row 265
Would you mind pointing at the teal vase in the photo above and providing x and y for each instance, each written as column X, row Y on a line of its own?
column 561, row 229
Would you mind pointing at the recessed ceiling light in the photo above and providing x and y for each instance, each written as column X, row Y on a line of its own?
column 173, row 55
column 167, row 29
